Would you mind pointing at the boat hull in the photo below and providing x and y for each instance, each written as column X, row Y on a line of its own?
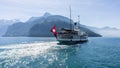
column 71, row 41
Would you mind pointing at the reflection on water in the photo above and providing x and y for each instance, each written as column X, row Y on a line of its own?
column 46, row 54
column 96, row 53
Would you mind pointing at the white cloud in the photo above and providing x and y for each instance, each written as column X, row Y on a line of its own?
column 110, row 33
column 93, row 12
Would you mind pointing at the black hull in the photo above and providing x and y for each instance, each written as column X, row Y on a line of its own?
column 72, row 42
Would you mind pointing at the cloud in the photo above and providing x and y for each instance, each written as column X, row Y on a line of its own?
column 92, row 12
column 110, row 33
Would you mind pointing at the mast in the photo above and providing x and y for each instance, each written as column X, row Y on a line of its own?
column 78, row 19
column 70, row 18
column 79, row 22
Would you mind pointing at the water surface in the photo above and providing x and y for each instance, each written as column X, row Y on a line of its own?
column 40, row 52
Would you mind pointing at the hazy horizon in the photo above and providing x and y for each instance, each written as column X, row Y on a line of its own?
column 98, row 13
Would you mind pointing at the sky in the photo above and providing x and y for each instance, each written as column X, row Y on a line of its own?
column 98, row 13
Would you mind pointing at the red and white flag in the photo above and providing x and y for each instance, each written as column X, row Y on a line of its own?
column 54, row 30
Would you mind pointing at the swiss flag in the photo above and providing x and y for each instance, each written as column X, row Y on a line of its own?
column 54, row 30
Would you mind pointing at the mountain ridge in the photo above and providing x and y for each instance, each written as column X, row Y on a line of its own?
column 40, row 26
column 106, row 31
column 4, row 24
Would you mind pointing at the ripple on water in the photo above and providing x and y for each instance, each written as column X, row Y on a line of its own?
column 12, row 55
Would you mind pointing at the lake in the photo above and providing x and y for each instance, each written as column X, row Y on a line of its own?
column 45, row 52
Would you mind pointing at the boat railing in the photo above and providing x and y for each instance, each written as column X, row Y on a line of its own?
column 68, row 36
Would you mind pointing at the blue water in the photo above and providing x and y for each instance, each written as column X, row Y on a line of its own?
column 41, row 52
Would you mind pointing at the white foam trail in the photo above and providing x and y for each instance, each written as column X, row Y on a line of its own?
column 32, row 49
column 22, row 50
column 11, row 54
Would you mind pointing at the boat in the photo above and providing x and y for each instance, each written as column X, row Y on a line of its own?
column 66, row 35
column 70, row 35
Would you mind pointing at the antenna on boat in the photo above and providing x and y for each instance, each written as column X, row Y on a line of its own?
column 70, row 18
column 78, row 19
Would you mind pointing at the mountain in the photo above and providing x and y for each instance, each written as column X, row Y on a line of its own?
column 40, row 26
column 106, row 31
column 4, row 25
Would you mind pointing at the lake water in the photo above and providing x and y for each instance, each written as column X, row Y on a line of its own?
column 41, row 52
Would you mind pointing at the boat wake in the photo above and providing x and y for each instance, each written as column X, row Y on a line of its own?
column 11, row 55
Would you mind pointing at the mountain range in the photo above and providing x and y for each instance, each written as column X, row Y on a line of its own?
column 40, row 26
column 4, row 25
column 106, row 31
